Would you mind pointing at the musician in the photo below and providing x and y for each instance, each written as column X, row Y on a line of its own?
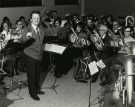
column 16, row 33
column 5, row 33
column 33, row 54
column 23, row 20
column 90, row 25
column 106, row 38
column 80, row 44
column 116, row 27
column 127, row 33
column 102, row 48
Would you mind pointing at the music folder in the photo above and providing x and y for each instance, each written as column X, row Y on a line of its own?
column 55, row 48
column 93, row 68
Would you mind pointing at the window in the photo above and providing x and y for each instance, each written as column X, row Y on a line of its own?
column 20, row 3
column 66, row 2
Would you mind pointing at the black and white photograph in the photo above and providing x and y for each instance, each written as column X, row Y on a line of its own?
column 67, row 53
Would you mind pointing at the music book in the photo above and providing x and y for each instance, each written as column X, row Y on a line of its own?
column 50, row 47
column 93, row 68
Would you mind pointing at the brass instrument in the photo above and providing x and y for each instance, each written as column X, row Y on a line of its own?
column 97, row 40
column 77, row 41
column 74, row 36
column 130, row 21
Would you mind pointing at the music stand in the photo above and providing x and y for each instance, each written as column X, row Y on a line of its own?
column 54, row 48
column 93, row 70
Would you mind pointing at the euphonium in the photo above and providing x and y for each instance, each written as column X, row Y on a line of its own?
column 76, row 40
column 97, row 41
column 74, row 36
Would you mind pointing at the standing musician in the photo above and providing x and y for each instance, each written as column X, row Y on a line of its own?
column 34, row 33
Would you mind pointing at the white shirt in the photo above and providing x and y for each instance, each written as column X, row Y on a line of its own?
column 7, row 35
column 35, row 28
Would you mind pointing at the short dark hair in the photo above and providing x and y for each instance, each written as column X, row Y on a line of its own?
column 34, row 12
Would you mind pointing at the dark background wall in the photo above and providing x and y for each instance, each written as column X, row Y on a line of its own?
column 115, row 7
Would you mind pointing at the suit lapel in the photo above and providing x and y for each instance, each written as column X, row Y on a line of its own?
column 34, row 34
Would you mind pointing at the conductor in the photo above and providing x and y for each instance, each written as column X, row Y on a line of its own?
column 33, row 54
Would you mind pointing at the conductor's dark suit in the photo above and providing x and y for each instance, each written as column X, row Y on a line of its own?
column 33, row 54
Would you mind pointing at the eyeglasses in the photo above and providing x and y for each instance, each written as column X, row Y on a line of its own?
column 127, row 31
column 102, row 30
column 19, row 24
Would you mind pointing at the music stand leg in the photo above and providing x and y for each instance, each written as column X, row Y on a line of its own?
column 53, row 86
column 89, row 93
column 2, row 72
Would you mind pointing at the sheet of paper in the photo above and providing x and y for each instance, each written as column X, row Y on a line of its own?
column 101, row 64
column 93, row 68
column 54, row 48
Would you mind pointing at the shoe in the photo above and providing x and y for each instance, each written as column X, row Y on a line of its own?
column 41, row 92
column 35, row 97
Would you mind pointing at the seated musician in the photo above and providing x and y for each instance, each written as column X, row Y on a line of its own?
column 17, row 32
column 80, row 43
column 104, row 51
column 127, row 33
column 23, row 20
column 127, row 39
column 5, row 33
column 10, row 48
column 108, row 49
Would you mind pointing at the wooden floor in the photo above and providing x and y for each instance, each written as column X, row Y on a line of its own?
column 68, row 93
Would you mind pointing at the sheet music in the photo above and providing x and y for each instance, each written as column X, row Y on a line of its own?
column 93, row 68
column 54, row 48
column 101, row 64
